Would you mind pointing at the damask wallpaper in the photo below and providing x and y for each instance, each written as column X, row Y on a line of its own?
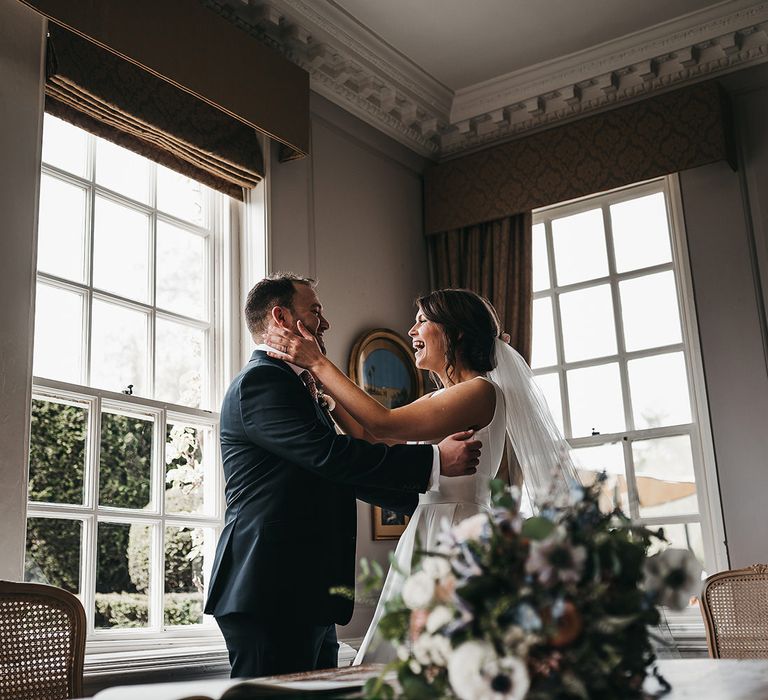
column 661, row 135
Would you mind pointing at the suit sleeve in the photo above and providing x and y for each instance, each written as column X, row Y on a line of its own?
column 278, row 414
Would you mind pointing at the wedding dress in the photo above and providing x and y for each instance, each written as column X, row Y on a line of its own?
column 522, row 415
column 456, row 498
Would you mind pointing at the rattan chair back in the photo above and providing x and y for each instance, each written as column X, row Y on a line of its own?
column 734, row 605
column 42, row 642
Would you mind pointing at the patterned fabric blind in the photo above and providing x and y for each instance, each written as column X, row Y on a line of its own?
column 117, row 100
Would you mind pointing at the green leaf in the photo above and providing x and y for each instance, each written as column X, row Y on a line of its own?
column 610, row 624
column 415, row 687
column 498, row 488
column 394, row 625
column 506, row 501
column 376, row 689
column 574, row 685
column 538, row 528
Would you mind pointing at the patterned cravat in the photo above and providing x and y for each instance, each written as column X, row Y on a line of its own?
column 309, row 382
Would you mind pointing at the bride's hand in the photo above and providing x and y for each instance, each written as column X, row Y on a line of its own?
column 301, row 350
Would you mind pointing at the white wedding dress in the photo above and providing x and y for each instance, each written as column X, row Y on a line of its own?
column 456, row 498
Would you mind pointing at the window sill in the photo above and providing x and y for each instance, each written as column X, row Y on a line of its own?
column 688, row 632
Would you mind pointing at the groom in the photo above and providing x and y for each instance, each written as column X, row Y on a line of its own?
column 291, row 484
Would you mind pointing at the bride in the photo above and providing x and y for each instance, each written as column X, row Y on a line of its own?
column 484, row 385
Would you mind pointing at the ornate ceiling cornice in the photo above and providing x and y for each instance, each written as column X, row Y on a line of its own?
column 354, row 68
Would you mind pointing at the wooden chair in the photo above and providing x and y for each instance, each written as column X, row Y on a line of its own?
column 734, row 605
column 42, row 642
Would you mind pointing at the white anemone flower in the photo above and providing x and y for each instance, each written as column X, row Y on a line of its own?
column 673, row 575
column 436, row 567
column 475, row 672
column 418, row 590
column 470, row 528
column 432, row 650
column 438, row 618
column 556, row 559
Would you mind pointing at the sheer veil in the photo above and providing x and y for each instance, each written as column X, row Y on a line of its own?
column 544, row 455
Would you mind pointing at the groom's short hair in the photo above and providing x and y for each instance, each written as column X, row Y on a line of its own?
column 276, row 289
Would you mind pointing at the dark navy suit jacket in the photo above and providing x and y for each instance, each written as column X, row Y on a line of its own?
column 291, row 483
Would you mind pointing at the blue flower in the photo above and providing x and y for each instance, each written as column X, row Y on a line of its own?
column 527, row 618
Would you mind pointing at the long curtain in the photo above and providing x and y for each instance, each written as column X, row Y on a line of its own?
column 492, row 259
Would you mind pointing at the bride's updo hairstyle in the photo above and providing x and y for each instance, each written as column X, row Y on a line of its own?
column 470, row 326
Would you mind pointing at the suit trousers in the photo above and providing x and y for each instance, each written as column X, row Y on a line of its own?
column 259, row 648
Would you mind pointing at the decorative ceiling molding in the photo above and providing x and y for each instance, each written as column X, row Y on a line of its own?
column 356, row 69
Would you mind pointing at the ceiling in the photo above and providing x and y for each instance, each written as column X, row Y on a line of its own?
column 447, row 77
column 461, row 43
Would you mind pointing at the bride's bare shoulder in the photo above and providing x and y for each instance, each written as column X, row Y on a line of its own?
column 475, row 390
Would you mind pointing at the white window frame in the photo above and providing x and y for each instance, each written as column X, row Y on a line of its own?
column 223, row 231
column 699, row 431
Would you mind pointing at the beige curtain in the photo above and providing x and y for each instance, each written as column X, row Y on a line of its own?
column 492, row 259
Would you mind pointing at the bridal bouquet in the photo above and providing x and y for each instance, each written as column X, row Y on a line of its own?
column 554, row 606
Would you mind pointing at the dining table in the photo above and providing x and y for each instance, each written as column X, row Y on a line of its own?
column 690, row 679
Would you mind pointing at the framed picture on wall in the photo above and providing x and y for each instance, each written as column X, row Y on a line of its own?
column 387, row 525
column 381, row 363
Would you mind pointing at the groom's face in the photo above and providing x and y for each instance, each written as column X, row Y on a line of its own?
column 307, row 309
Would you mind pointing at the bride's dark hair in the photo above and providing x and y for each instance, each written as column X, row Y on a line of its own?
column 470, row 326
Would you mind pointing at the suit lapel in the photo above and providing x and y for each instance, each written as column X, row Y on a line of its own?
column 321, row 411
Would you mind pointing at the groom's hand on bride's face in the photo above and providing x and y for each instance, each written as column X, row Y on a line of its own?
column 459, row 454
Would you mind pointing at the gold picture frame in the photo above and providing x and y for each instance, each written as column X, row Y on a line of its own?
column 386, row 524
column 381, row 363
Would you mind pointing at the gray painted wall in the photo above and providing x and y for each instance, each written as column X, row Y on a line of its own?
column 351, row 217
column 726, row 214
column 22, row 38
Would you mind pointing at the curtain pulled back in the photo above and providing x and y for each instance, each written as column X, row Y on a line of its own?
column 492, row 259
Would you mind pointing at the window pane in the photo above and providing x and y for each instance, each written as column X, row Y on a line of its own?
column 609, row 458
column 181, row 278
column 664, row 473
column 122, row 575
column 65, row 146
column 119, row 353
column 121, row 250
column 681, row 536
column 588, row 326
column 579, row 243
column 640, row 233
column 57, row 446
column 180, row 196
column 540, row 259
column 650, row 311
column 179, row 363
column 550, row 387
column 53, row 552
column 188, row 455
column 595, row 400
column 659, row 389
column 61, row 229
column 123, row 171
column 58, row 334
column 125, row 461
column 544, row 352
column 183, row 604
